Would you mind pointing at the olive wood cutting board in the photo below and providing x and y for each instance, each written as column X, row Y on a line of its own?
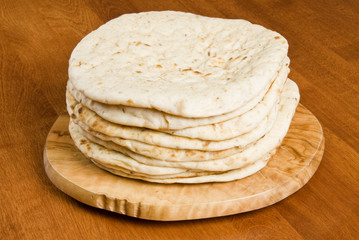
column 290, row 169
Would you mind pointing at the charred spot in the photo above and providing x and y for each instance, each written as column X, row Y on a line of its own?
column 82, row 141
column 80, row 110
column 73, row 116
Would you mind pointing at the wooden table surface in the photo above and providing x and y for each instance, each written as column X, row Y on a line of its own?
column 36, row 40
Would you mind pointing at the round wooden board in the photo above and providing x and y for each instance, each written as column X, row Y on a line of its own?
column 290, row 168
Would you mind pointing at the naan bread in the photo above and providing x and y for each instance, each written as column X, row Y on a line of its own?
column 155, row 60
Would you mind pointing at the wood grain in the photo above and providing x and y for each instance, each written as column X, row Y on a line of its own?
column 36, row 40
column 289, row 169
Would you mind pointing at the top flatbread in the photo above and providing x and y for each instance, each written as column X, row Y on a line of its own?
column 153, row 119
column 178, row 63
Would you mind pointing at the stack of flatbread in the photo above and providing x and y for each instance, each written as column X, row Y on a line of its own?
column 174, row 97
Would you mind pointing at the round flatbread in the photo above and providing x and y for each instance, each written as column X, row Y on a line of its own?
column 153, row 119
column 92, row 123
column 255, row 152
column 179, row 143
column 201, row 178
column 179, row 63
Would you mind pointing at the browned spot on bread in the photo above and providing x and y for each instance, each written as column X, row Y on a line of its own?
column 138, row 43
column 237, row 57
column 88, row 147
column 80, row 110
column 73, row 116
column 206, row 143
column 190, row 153
column 276, row 37
column 138, row 71
column 159, row 66
column 146, row 44
column 129, row 101
column 82, row 141
column 244, row 58
column 197, row 72
column 186, row 69
column 208, row 74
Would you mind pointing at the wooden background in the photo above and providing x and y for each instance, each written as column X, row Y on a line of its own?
column 36, row 40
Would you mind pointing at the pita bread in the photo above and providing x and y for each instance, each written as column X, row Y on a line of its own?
column 202, row 178
column 257, row 151
column 114, row 159
column 123, row 166
column 150, row 118
column 176, row 142
column 89, row 121
column 155, row 60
